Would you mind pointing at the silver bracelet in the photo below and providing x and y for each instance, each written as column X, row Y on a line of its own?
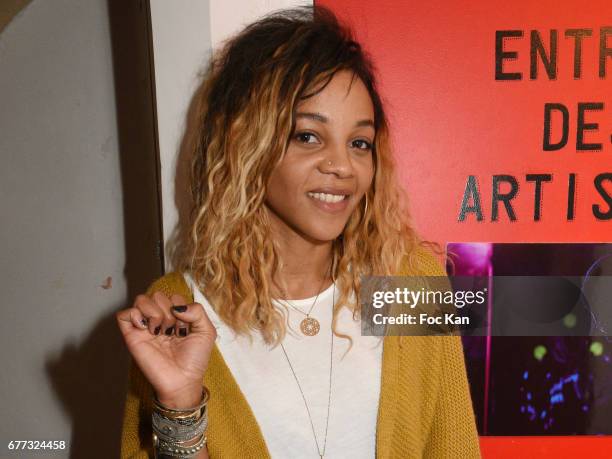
column 174, row 432
column 163, row 449
column 172, row 428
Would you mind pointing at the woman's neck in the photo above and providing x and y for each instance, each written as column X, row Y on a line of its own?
column 305, row 265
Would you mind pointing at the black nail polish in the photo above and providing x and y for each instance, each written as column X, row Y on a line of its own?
column 179, row 308
column 183, row 331
column 157, row 329
column 169, row 331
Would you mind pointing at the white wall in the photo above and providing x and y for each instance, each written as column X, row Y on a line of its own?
column 229, row 16
column 63, row 231
column 181, row 48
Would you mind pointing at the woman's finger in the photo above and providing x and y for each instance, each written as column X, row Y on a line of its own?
column 152, row 313
column 194, row 315
column 130, row 318
column 181, row 328
column 167, row 320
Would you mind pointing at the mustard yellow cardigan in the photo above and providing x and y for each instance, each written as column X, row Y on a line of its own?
column 425, row 407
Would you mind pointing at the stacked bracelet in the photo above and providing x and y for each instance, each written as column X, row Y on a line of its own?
column 173, row 432
column 181, row 452
column 185, row 414
column 173, row 429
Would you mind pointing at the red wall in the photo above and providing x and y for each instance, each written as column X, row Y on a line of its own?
column 451, row 118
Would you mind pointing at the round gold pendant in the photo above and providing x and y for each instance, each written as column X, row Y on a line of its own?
column 310, row 326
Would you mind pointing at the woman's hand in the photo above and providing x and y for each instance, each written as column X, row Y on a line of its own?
column 170, row 344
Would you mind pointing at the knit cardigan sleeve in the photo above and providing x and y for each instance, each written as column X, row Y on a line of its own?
column 137, row 435
column 452, row 432
column 453, row 429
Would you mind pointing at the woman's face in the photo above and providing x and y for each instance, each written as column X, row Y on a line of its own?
column 328, row 165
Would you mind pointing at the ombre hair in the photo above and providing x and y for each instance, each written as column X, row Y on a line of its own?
column 244, row 120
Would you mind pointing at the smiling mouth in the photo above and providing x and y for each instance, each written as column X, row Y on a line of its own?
column 328, row 197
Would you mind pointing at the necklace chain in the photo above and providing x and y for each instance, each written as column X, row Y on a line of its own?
column 331, row 365
column 315, row 300
column 309, row 325
column 307, row 314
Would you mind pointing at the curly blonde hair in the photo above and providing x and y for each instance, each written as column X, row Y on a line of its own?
column 244, row 120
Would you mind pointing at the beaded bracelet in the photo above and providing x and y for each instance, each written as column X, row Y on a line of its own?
column 172, row 432
column 173, row 428
column 181, row 452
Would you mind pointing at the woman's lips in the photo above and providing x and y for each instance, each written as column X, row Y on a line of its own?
column 329, row 202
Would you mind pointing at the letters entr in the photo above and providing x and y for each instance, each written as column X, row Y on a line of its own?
column 549, row 57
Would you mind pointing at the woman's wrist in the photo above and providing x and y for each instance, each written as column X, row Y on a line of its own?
column 183, row 401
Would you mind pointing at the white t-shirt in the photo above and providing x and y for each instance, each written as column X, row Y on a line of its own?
column 270, row 388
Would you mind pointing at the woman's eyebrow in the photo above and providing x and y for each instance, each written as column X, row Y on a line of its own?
column 312, row 116
column 323, row 119
column 367, row 122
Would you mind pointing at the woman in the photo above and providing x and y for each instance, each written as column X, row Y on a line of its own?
column 294, row 198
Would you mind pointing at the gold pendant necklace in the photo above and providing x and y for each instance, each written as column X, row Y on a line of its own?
column 321, row 452
column 309, row 325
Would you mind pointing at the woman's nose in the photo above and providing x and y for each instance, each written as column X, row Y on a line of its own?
column 337, row 160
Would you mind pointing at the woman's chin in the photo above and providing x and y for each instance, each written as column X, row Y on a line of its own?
column 323, row 234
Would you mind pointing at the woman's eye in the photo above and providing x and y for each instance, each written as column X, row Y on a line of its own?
column 304, row 137
column 362, row 144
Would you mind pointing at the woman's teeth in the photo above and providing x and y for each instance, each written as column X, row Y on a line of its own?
column 327, row 197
